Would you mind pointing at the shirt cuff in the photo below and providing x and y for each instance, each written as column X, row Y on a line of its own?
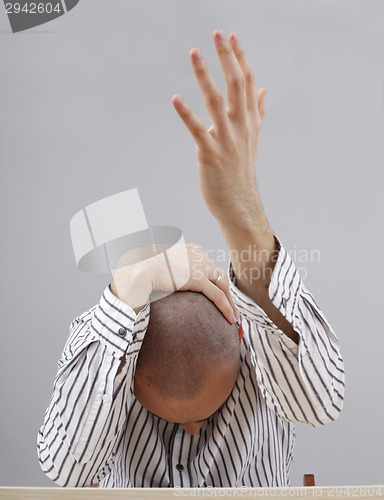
column 286, row 284
column 117, row 324
column 284, row 290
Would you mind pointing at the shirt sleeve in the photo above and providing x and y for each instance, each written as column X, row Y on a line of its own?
column 301, row 382
column 92, row 393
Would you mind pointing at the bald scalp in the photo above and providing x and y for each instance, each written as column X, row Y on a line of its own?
column 186, row 340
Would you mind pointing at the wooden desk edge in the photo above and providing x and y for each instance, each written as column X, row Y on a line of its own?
column 307, row 492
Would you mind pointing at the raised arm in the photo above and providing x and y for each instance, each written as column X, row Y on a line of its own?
column 295, row 353
column 226, row 154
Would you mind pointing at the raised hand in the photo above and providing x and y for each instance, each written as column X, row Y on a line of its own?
column 226, row 152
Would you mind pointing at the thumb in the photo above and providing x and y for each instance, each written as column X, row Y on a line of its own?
column 261, row 96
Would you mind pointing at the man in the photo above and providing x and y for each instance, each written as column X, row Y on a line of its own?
column 163, row 394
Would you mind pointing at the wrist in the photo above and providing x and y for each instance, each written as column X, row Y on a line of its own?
column 131, row 285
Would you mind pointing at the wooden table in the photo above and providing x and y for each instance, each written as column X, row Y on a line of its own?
column 309, row 493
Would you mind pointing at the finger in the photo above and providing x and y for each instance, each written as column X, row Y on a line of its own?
column 213, row 99
column 219, row 298
column 235, row 87
column 193, row 123
column 223, row 284
column 215, row 275
column 251, row 92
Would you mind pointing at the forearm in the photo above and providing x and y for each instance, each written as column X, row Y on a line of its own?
column 253, row 254
column 252, row 251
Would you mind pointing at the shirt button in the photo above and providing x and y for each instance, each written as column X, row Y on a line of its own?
column 284, row 302
column 106, row 398
column 122, row 332
column 180, row 467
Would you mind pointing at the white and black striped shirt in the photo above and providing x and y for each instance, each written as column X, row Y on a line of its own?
column 96, row 431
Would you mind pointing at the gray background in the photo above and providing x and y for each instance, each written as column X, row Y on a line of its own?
column 86, row 113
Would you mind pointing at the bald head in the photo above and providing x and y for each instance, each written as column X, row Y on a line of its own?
column 188, row 346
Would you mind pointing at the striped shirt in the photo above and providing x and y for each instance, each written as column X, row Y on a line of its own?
column 96, row 431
